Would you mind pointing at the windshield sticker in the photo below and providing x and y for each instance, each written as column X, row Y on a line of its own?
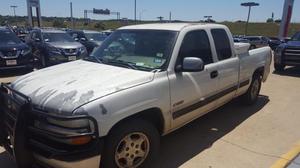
column 140, row 64
column 158, row 61
column 160, row 55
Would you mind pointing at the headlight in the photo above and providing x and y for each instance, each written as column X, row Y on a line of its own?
column 82, row 50
column 74, row 124
column 26, row 51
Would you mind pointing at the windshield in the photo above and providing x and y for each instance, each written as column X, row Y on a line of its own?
column 143, row 49
column 95, row 36
column 296, row 37
column 8, row 38
column 57, row 37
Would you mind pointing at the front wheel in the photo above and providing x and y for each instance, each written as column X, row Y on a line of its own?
column 251, row 96
column 131, row 144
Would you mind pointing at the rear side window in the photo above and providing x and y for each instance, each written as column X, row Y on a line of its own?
column 196, row 44
column 222, row 44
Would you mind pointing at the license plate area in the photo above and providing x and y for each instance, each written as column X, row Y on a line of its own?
column 72, row 58
column 11, row 62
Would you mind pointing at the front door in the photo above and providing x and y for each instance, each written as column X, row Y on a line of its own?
column 191, row 92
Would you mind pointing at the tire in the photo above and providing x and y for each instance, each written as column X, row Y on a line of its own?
column 129, row 140
column 279, row 67
column 251, row 96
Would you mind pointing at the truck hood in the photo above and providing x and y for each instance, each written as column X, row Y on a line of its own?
column 65, row 87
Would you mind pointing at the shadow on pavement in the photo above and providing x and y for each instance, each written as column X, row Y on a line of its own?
column 290, row 71
column 187, row 142
column 6, row 161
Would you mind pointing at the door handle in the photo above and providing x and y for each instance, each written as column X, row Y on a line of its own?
column 214, row 74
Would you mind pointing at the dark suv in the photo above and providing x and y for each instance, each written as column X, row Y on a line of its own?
column 90, row 39
column 288, row 53
column 51, row 46
column 13, row 52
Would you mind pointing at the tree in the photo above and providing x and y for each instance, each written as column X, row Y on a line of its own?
column 270, row 20
column 58, row 23
column 100, row 25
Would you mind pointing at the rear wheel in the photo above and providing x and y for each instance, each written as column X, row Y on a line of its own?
column 251, row 96
column 279, row 67
column 131, row 144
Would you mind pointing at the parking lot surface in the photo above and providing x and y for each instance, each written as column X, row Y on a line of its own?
column 234, row 136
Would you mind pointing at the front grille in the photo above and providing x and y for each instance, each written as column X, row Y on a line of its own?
column 292, row 55
column 71, row 51
column 12, row 103
column 10, row 54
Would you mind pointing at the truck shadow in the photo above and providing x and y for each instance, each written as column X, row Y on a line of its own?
column 289, row 71
column 187, row 142
column 6, row 161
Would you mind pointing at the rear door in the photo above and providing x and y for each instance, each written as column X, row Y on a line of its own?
column 228, row 63
column 191, row 91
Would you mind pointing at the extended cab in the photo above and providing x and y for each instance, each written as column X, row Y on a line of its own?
column 142, row 82
column 288, row 54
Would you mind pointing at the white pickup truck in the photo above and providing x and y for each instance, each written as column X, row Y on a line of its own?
column 112, row 107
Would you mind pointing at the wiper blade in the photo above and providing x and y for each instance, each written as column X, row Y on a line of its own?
column 122, row 63
column 93, row 58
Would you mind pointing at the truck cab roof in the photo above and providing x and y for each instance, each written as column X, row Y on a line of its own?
column 171, row 26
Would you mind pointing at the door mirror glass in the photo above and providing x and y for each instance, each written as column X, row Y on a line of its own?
column 37, row 40
column 82, row 39
column 192, row 64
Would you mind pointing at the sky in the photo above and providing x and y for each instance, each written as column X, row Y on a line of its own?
column 188, row 10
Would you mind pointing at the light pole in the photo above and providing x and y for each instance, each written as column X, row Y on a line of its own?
column 135, row 11
column 14, row 9
column 249, row 5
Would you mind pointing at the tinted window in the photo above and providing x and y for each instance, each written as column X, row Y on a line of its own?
column 57, row 37
column 222, row 44
column 196, row 44
column 296, row 37
column 8, row 38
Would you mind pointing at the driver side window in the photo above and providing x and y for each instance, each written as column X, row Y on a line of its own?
column 196, row 44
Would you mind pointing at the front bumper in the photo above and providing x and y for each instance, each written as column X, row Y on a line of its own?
column 22, row 61
column 55, row 58
column 29, row 144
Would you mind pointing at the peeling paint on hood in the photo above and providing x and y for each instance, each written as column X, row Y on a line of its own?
column 65, row 87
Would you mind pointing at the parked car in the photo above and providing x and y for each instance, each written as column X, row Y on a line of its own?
column 142, row 82
column 13, row 52
column 257, row 41
column 274, row 42
column 90, row 39
column 288, row 53
column 51, row 46
column 240, row 40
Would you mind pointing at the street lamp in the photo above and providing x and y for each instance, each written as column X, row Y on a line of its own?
column 14, row 8
column 249, row 5
column 135, row 11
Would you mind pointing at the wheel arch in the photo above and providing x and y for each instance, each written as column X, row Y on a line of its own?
column 152, row 115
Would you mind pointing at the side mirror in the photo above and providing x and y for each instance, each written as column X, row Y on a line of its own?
column 82, row 39
column 76, row 39
column 191, row 64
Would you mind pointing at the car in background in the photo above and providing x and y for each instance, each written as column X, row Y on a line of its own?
column 51, row 46
column 240, row 40
column 274, row 42
column 257, row 41
column 13, row 52
column 90, row 39
column 288, row 53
